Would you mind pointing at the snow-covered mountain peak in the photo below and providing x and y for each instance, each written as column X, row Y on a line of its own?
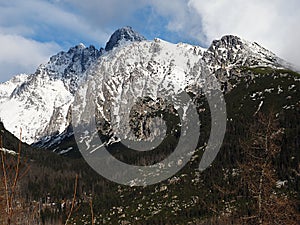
column 41, row 102
column 78, row 54
column 81, row 45
column 232, row 42
column 70, row 66
column 232, row 51
column 8, row 87
column 121, row 36
column 227, row 41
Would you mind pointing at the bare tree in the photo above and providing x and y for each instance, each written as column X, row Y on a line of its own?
column 92, row 210
column 258, row 174
column 11, row 176
column 73, row 201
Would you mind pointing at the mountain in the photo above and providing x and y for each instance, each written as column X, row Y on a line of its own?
column 257, row 85
column 40, row 102
column 232, row 51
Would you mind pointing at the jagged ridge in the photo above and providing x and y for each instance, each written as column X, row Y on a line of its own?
column 41, row 102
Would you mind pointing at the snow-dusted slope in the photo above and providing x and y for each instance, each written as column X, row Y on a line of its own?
column 153, row 69
column 231, row 51
column 70, row 66
column 33, row 109
column 7, row 88
column 40, row 103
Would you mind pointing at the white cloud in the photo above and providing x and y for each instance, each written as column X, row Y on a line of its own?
column 182, row 19
column 274, row 23
column 31, row 17
column 24, row 23
column 21, row 55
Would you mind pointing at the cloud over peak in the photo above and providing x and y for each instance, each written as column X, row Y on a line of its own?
column 43, row 27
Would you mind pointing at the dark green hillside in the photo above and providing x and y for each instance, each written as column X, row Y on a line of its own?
column 225, row 193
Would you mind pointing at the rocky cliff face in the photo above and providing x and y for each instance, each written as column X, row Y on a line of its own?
column 39, row 103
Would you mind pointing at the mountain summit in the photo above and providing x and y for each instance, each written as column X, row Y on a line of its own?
column 123, row 35
column 41, row 102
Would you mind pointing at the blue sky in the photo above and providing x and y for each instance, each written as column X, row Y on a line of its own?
column 33, row 30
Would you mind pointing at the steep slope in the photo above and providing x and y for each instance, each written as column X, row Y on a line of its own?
column 39, row 103
column 8, row 87
column 70, row 66
column 229, row 55
column 232, row 51
column 155, row 68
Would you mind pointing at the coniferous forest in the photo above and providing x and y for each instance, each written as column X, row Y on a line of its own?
column 254, row 179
